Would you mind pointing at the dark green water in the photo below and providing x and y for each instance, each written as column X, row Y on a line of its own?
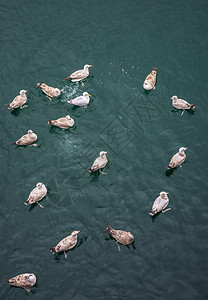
column 123, row 40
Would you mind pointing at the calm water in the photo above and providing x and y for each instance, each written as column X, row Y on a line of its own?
column 123, row 40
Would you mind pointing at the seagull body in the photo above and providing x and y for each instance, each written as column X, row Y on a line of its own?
column 67, row 243
column 37, row 194
column 26, row 139
column 50, row 91
column 80, row 74
column 25, row 281
column 178, row 158
column 160, row 203
column 181, row 104
column 150, row 80
column 81, row 100
column 63, row 123
column 18, row 101
column 122, row 237
column 99, row 163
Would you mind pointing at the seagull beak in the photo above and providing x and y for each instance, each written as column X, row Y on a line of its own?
column 187, row 148
column 91, row 65
column 43, row 182
column 78, row 231
column 107, row 152
column 89, row 95
column 168, row 193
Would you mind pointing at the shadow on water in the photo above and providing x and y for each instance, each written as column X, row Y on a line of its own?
column 15, row 112
column 32, row 206
column 153, row 218
column 94, row 176
column 169, row 172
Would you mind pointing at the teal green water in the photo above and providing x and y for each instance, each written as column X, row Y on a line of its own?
column 123, row 40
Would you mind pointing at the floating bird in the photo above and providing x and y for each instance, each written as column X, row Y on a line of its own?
column 50, row 91
column 27, row 139
column 181, row 104
column 177, row 159
column 81, row 100
column 18, row 101
column 37, row 194
column 99, row 163
column 24, row 281
column 123, row 237
column 67, row 243
column 150, row 80
column 160, row 203
column 80, row 74
column 64, row 123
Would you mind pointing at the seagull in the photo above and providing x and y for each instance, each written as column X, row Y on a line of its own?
column 67, row 243
column 50, row 91
column 122, row 237
column 25, row 281
column 177, row 159
column 150, row 80
column 37, row 194
column 81, row 100
column 99, row 163
column 80, row 74
column 18, row 101
column 160, row 203
column 181, row 104
column 27, row 139
column 64, row 123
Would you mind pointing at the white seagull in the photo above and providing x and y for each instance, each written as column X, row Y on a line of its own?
column 160, row 203
column 19, row 101
column 181, row 104
column 81, row 100
column 177, row 159
column 27, row 139
column 80, row 74
column 99, row 163
column 37, row 194
column 67, row 243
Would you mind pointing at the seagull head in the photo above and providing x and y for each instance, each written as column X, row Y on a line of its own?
column 174, row 98
column 74, row 233
column 182, row 149
column 40, row 184
column 23, row 92
column 163, row 195
column 85, row 94
column 87, row 66
column 103, row 153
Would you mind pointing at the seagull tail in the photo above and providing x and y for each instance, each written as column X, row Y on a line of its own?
column 26, row 202
column 53, row 250
column 152, row 212
column 192, row 106
column 49, row 122
column 169, row 167
column 90, row 169
column 155, row 69
column 6, row 280
column 69, row 101
column 69, row 77
column 108, row 228
column 13, row 144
